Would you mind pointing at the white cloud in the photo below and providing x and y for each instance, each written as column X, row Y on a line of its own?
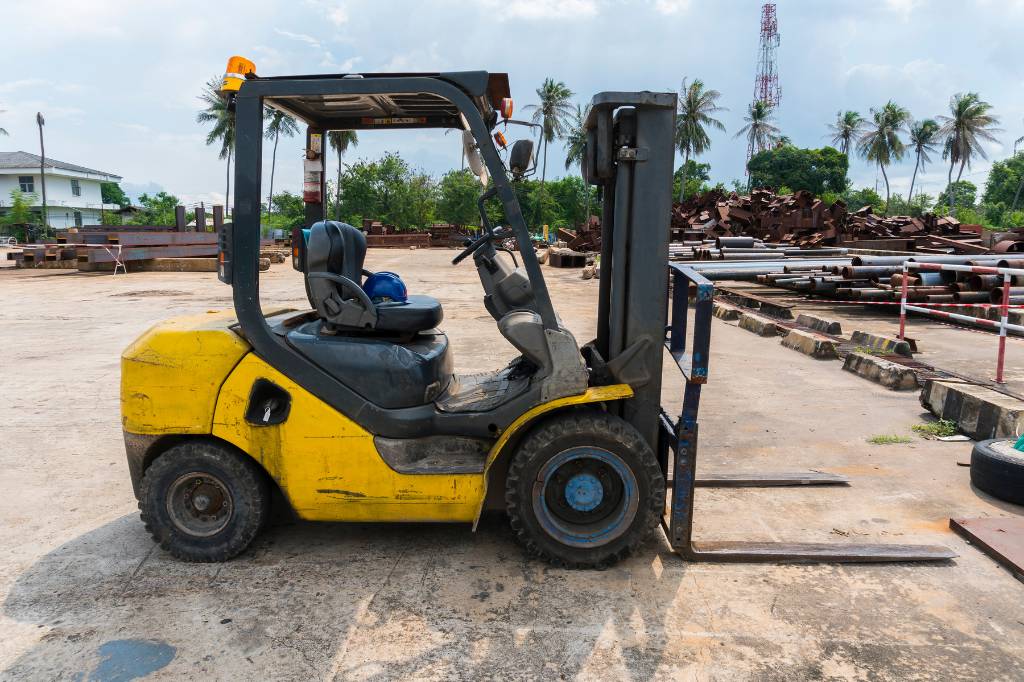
column 335, row 12
column 345, row 66
column 11, row 86
column 671, row 6
column 904, row 8
column 542, row 9
column 301, row 37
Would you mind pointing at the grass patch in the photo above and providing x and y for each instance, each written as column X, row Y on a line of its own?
column 938, row 429
column 889, row 440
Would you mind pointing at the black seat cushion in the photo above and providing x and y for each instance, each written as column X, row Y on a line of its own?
column 419, row 313
column 388, row 374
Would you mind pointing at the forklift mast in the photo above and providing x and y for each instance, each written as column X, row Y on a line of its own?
column 630, row 155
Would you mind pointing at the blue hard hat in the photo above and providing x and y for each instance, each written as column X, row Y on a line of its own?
column 385, row 287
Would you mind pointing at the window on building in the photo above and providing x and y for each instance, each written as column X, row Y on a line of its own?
column 27, row 183
column 78, row 218
column 76, row 189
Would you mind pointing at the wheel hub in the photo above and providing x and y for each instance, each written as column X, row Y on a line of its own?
column 584, row 492
column 199, row 504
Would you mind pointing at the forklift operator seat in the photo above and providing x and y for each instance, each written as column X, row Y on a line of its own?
column 334, row 273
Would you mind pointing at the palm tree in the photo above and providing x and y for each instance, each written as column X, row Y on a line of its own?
column 341, row 141
column 847, row 129
column 223, row 131
column 969, row 124
column 278, row 124
column 1020, row 186
column 552, row 114
column 923, row 139
column 881, row 141
column 576, row 145
column 696, row 109
column 760, row 130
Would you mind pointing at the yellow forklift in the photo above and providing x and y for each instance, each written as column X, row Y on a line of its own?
column 351, row 410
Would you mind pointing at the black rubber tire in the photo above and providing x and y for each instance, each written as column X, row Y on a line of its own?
column 560, row 433
column 246, row 482
column 999, row 474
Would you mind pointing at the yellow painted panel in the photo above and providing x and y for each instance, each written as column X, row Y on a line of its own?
column 170, row 376
column 596, row 394
column 328, row 466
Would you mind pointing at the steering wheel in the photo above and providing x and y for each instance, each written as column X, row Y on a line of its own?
column 476, row 244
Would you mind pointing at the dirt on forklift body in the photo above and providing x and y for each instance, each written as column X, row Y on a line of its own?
column 352, row 409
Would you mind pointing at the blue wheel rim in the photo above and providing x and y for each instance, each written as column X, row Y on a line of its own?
column 590, row 481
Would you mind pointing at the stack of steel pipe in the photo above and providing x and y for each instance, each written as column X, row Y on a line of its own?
column 880, row 278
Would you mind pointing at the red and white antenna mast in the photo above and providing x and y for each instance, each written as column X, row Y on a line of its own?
column 766, row 83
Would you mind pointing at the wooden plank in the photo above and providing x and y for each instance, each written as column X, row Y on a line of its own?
column 1002, row 538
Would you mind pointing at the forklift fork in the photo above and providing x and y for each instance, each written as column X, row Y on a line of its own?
column 678, row 458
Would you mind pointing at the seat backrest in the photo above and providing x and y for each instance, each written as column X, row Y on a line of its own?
column 337, row 248
column 334, row 275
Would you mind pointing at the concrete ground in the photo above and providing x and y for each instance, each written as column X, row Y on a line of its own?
column 84, row 593
column 944, row 345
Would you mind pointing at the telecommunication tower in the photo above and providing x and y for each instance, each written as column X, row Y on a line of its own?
column 766, row 83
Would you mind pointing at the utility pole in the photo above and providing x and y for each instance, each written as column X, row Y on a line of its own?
column 42, row 169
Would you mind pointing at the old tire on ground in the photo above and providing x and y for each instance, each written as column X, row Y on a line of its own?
column 202, row 501
column 998, row 469
column 584, row 490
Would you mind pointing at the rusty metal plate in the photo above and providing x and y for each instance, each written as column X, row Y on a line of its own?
column 1001, row 538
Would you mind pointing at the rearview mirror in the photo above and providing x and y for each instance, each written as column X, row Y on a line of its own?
column 473, row 156
column 520, row 159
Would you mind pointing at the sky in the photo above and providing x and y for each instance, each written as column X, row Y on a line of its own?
column 118, row 81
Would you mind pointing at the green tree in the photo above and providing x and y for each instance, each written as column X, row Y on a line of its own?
column 222, row 132
column 19, row 216
column 697, row 175
column 289, row 212
column 1004, row 181
column 924, row 137
column 881, row 140
column 858, row 199
column 966, row 194
column 553, row 114
column 458, row 192
column 847, row 130
column 572, row 197
column 696, row 109
column 112, row 193
column 341, row 141
column 970, row 122
column 815, row 170
column 576, row 145
column 760, row 128
column 389, row 191
column 278, row 124
column 157, row 210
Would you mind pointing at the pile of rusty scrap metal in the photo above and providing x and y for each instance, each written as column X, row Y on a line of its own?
column 880, row 278
column 801, row 220
column 587, row 239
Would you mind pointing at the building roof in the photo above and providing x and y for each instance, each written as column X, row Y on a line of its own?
column 27, row 160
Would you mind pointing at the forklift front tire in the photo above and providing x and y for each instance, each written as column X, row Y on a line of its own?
column 203, row 502
column 584, row 490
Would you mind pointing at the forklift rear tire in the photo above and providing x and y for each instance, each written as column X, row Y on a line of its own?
column 202, row 501
column 584, row 490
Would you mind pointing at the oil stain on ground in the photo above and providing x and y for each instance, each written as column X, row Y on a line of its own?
column 122, row 660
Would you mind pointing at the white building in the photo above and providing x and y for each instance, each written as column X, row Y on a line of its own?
column 73, row 195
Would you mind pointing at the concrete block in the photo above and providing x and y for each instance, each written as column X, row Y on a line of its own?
column 886, row 344
column 978, row 411
column 726, row 312
column 820, row 324
column 761, row 326
column 811, row 344
column 881, row 371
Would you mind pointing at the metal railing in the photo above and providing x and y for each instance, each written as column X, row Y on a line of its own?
column 1002, row 325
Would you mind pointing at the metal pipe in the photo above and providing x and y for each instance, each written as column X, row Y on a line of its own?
column 996, row 295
